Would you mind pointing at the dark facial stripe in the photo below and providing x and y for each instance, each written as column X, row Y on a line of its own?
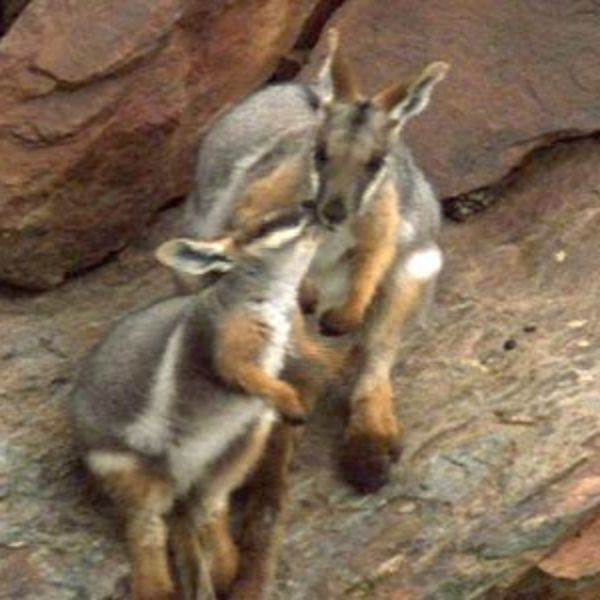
column 289, row 219
column 361, row 114
column 312, row 99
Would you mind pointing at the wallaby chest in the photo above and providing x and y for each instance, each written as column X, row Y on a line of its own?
column 330, row 269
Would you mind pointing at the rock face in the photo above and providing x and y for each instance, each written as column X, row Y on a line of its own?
column 499, row 402
column 102, row 104
column 9, row 11
column 101, row 108
column 523, row 74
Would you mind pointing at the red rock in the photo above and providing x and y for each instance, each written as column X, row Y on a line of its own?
column 522, row 74
column 101, row 108
column 578, row 556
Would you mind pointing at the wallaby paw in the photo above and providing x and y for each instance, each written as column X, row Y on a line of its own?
column 295, row 418
column 337, row 321
column 367, row 460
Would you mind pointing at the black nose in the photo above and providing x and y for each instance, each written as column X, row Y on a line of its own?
column 335, row 211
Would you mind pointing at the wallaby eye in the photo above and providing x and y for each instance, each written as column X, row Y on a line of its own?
column 321, row 155
column 375, row 163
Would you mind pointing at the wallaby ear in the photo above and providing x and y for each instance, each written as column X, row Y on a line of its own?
column 324, row 83
column 336, row 79
column 407, row 99
column 193, row 257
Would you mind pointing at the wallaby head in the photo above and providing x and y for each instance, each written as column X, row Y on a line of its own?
column 358, row 133
column 267, row 240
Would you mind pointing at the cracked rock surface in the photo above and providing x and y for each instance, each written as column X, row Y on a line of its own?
column 522, row 75
column 498, row 399
column 102, row 104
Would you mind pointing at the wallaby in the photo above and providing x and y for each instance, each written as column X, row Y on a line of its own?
column 330, row 142
column 174, row 407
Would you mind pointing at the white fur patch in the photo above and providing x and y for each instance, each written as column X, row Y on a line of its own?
column 407, row 232
column 314, row 181
column 280, row 298
column 278, row 238
column 150, row 432
column 107, row 462
column 373, row 188
column 424, row 264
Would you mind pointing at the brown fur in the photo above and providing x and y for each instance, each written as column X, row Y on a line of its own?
column 268, row 192
column 144, row 500
column 240, row 342
column 344, row 80
column 309, row 296
column 373, row 254
column 263, row 517
column 373, row 431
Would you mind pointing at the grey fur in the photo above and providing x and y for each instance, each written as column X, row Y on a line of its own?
column 118, row 381
column 270, row 126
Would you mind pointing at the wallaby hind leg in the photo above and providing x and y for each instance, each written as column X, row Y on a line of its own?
column 224, row 552
column 263, row 517
column 372, row 435
column 143, row 499
column 192, row 557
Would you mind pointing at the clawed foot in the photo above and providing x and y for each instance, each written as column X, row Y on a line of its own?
column 367, row 460
column 293, row 413
column 337, row 321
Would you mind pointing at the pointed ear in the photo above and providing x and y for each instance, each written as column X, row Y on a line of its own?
column 407, row 99
column 324, row 83
column 336, row 79
column 193, row 257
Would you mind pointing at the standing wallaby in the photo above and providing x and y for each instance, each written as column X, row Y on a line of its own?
column 379, row 268
column 174, row 407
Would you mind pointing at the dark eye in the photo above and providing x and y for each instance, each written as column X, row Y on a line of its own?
column 320, row 155
column 375, row 164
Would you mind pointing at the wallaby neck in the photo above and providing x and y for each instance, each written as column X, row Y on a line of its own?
column 275, row 279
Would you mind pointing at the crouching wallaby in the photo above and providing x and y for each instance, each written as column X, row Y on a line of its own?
column 175, row 406
column 378, row 270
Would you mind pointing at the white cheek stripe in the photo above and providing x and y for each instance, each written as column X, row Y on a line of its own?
column 372, row 189
column 424, row 264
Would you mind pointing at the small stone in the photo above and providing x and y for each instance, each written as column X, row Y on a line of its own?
column 406, row 507
column 577, row 324
column 510, row 344
column 560, row 256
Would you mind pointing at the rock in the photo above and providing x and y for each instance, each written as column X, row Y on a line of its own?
column 101, row 109
column 523, row 74
column 9, row 11
column 576, row 557
column 501, row 449
column 570, row 572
